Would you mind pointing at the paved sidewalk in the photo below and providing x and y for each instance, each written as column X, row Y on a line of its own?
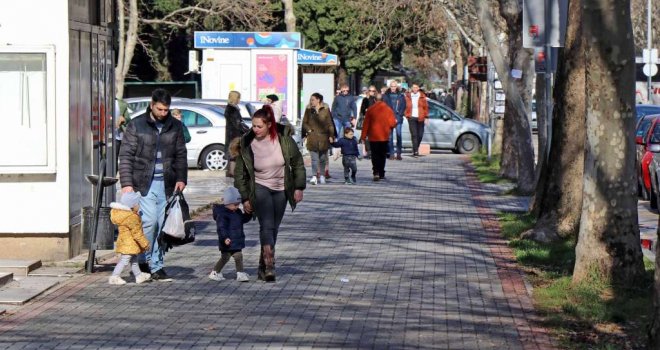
column 405, row 263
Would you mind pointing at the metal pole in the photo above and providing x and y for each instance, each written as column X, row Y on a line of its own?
column 95, row 220
column 648, row 46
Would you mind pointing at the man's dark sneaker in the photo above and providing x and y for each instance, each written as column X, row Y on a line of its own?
column 160, row 276
column 398, row 157
column 144, row 267
column 376, row 177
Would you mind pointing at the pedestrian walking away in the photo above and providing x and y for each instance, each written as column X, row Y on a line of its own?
column 395, row 99
column 269, row 173
column 176, row 113
column 378, row 124
column 229, row 220
column 343, row 109
column 417, row 111
column 233, row 127
column 122, row 121
column 153, row 162
column 130, row 240
column 366, row 103
column 350, row 153
column 449, row 101
column 276, row 104
column 316, row 130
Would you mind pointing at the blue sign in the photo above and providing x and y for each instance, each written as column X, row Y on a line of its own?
column 247, row 40
column 317, row 58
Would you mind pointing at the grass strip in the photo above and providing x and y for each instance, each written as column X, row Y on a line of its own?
column 588, row 315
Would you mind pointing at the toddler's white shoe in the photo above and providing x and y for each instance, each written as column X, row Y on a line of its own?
column 143, row 277
column 313, row 180
column 242, row 277
column 216, row 276
column 116, row 280
column 322, row 179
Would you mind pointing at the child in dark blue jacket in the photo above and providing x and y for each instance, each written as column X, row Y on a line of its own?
column 229, row 220
column 350, row 152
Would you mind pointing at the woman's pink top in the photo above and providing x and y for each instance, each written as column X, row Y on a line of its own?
column 268, row 163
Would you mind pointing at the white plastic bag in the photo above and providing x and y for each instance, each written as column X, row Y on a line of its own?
column 174, row 225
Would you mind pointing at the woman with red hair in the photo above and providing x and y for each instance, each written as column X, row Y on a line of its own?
column 269, row 172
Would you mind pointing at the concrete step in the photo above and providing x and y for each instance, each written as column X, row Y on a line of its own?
column 6, row 277
column 56, row 271
column 80, row 260
column 19, row 267
column 22, row 290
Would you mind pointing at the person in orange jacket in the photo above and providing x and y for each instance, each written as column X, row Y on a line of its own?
column 377, row 126
column 417, row 111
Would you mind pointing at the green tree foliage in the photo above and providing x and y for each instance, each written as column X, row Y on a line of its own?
column 335, row 26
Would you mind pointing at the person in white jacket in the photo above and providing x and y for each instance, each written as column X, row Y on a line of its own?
column 276, row 105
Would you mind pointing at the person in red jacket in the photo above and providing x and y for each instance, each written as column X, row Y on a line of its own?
column 377, row 125
column 417, row 111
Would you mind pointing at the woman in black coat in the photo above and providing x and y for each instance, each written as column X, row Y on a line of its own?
column 233, row 118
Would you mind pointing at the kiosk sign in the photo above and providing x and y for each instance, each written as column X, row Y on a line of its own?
column 247, row 40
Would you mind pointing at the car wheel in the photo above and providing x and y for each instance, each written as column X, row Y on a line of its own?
column 455, row 151
column 213, row 158
column 468, row 144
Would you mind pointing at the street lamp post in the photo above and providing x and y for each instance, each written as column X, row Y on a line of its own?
column 648, row 46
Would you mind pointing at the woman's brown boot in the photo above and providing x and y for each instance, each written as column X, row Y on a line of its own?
column 261, row 272
column 269, row 260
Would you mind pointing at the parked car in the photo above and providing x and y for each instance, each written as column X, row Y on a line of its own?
column 644, row 110
column 446, row 130
column 645, row 128
column 247, row 108
column 653, row 147
column 140, row 103
column 206, row 124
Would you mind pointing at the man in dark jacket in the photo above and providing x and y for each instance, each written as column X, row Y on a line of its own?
column 343, row 109
column 153, row 162
column 395, row 99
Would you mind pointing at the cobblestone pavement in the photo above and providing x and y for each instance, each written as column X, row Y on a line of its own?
column 404, row 263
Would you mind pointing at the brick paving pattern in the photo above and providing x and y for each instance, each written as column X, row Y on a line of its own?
column 404, row 263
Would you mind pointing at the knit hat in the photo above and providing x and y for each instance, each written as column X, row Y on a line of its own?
column 231, row 196
column 273, row 97
column 130, row 199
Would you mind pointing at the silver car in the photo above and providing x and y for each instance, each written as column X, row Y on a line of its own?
column 446, row 130
column 206, row 125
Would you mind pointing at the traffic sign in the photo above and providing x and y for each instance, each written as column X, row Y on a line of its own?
column 650, row 69
column 447, row 63
column 650, row 56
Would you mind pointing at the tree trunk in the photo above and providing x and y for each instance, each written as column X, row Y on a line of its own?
column 460, row 61
column 289, row 16
column 558, row 199
column 608, row 242
column 517, row 162
column 127, row 41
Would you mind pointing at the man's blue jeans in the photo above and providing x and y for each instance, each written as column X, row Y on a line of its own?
column 399, row 146
column 152, row 211
column 339, row 127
